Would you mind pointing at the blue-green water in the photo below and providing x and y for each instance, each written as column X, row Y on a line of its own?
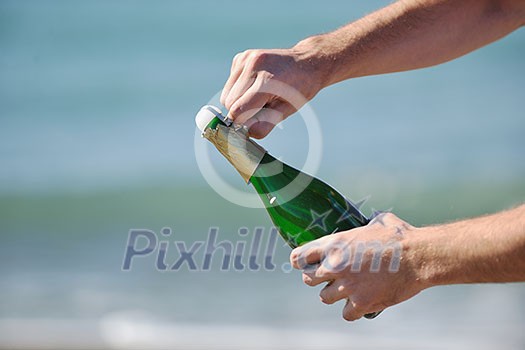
column 96, row 138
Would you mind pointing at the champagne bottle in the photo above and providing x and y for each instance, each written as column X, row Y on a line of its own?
column 302, row 207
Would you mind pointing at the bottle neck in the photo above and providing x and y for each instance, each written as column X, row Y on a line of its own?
column 233, row 143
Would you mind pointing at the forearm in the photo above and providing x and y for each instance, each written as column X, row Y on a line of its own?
column 484, row 249
column 410, row 34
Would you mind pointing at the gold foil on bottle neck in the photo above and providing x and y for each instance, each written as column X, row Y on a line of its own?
column 235, row 145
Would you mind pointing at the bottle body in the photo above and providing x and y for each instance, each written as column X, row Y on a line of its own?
column 302, row 208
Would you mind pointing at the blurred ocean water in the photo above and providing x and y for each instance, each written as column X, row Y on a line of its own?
column 96, row 138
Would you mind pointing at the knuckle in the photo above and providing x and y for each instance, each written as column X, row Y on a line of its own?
column 331, row 242
column 251, row 53
column 236, row 106
column 259, row 55
column 361, row 303
column 228, row 103
column 324, row 270
column 342, row 288
column 256, row 58
column 294, row 258
column 238, row 57
column 297, row 259
column 356, row 305
column 326, row 299
column 337, row 262
column 392, row 218
column 321, row 272
column 229, row 100
column 242, row 56
column 388, row 216
column 235, row 109
column 307, row 280
column 337, row 245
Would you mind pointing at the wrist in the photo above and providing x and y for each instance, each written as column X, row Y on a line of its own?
column 316, row 59
column 438, row 260
column 424, row 258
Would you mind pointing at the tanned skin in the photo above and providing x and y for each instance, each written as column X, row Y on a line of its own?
column 389, row 260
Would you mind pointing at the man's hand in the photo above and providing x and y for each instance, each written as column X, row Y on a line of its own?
column 266, row 86
column 389, row 261
column 370, row 267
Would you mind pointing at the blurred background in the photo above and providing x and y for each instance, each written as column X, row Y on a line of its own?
column 97, row 105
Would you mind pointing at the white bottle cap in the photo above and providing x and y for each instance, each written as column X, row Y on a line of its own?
column 206, row 115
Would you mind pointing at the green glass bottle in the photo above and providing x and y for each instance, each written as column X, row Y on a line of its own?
column 302, row 207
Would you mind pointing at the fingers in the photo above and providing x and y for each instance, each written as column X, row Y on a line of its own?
column 335, row 291
column 352, row 310
column 339, row 289
column 310, row 253
column 235, row 72
column 259, row 111
column 267, row 118
column 317, row 275
column 251, row 87
column 245, row 80
column 249, row 103
column 242, row 77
